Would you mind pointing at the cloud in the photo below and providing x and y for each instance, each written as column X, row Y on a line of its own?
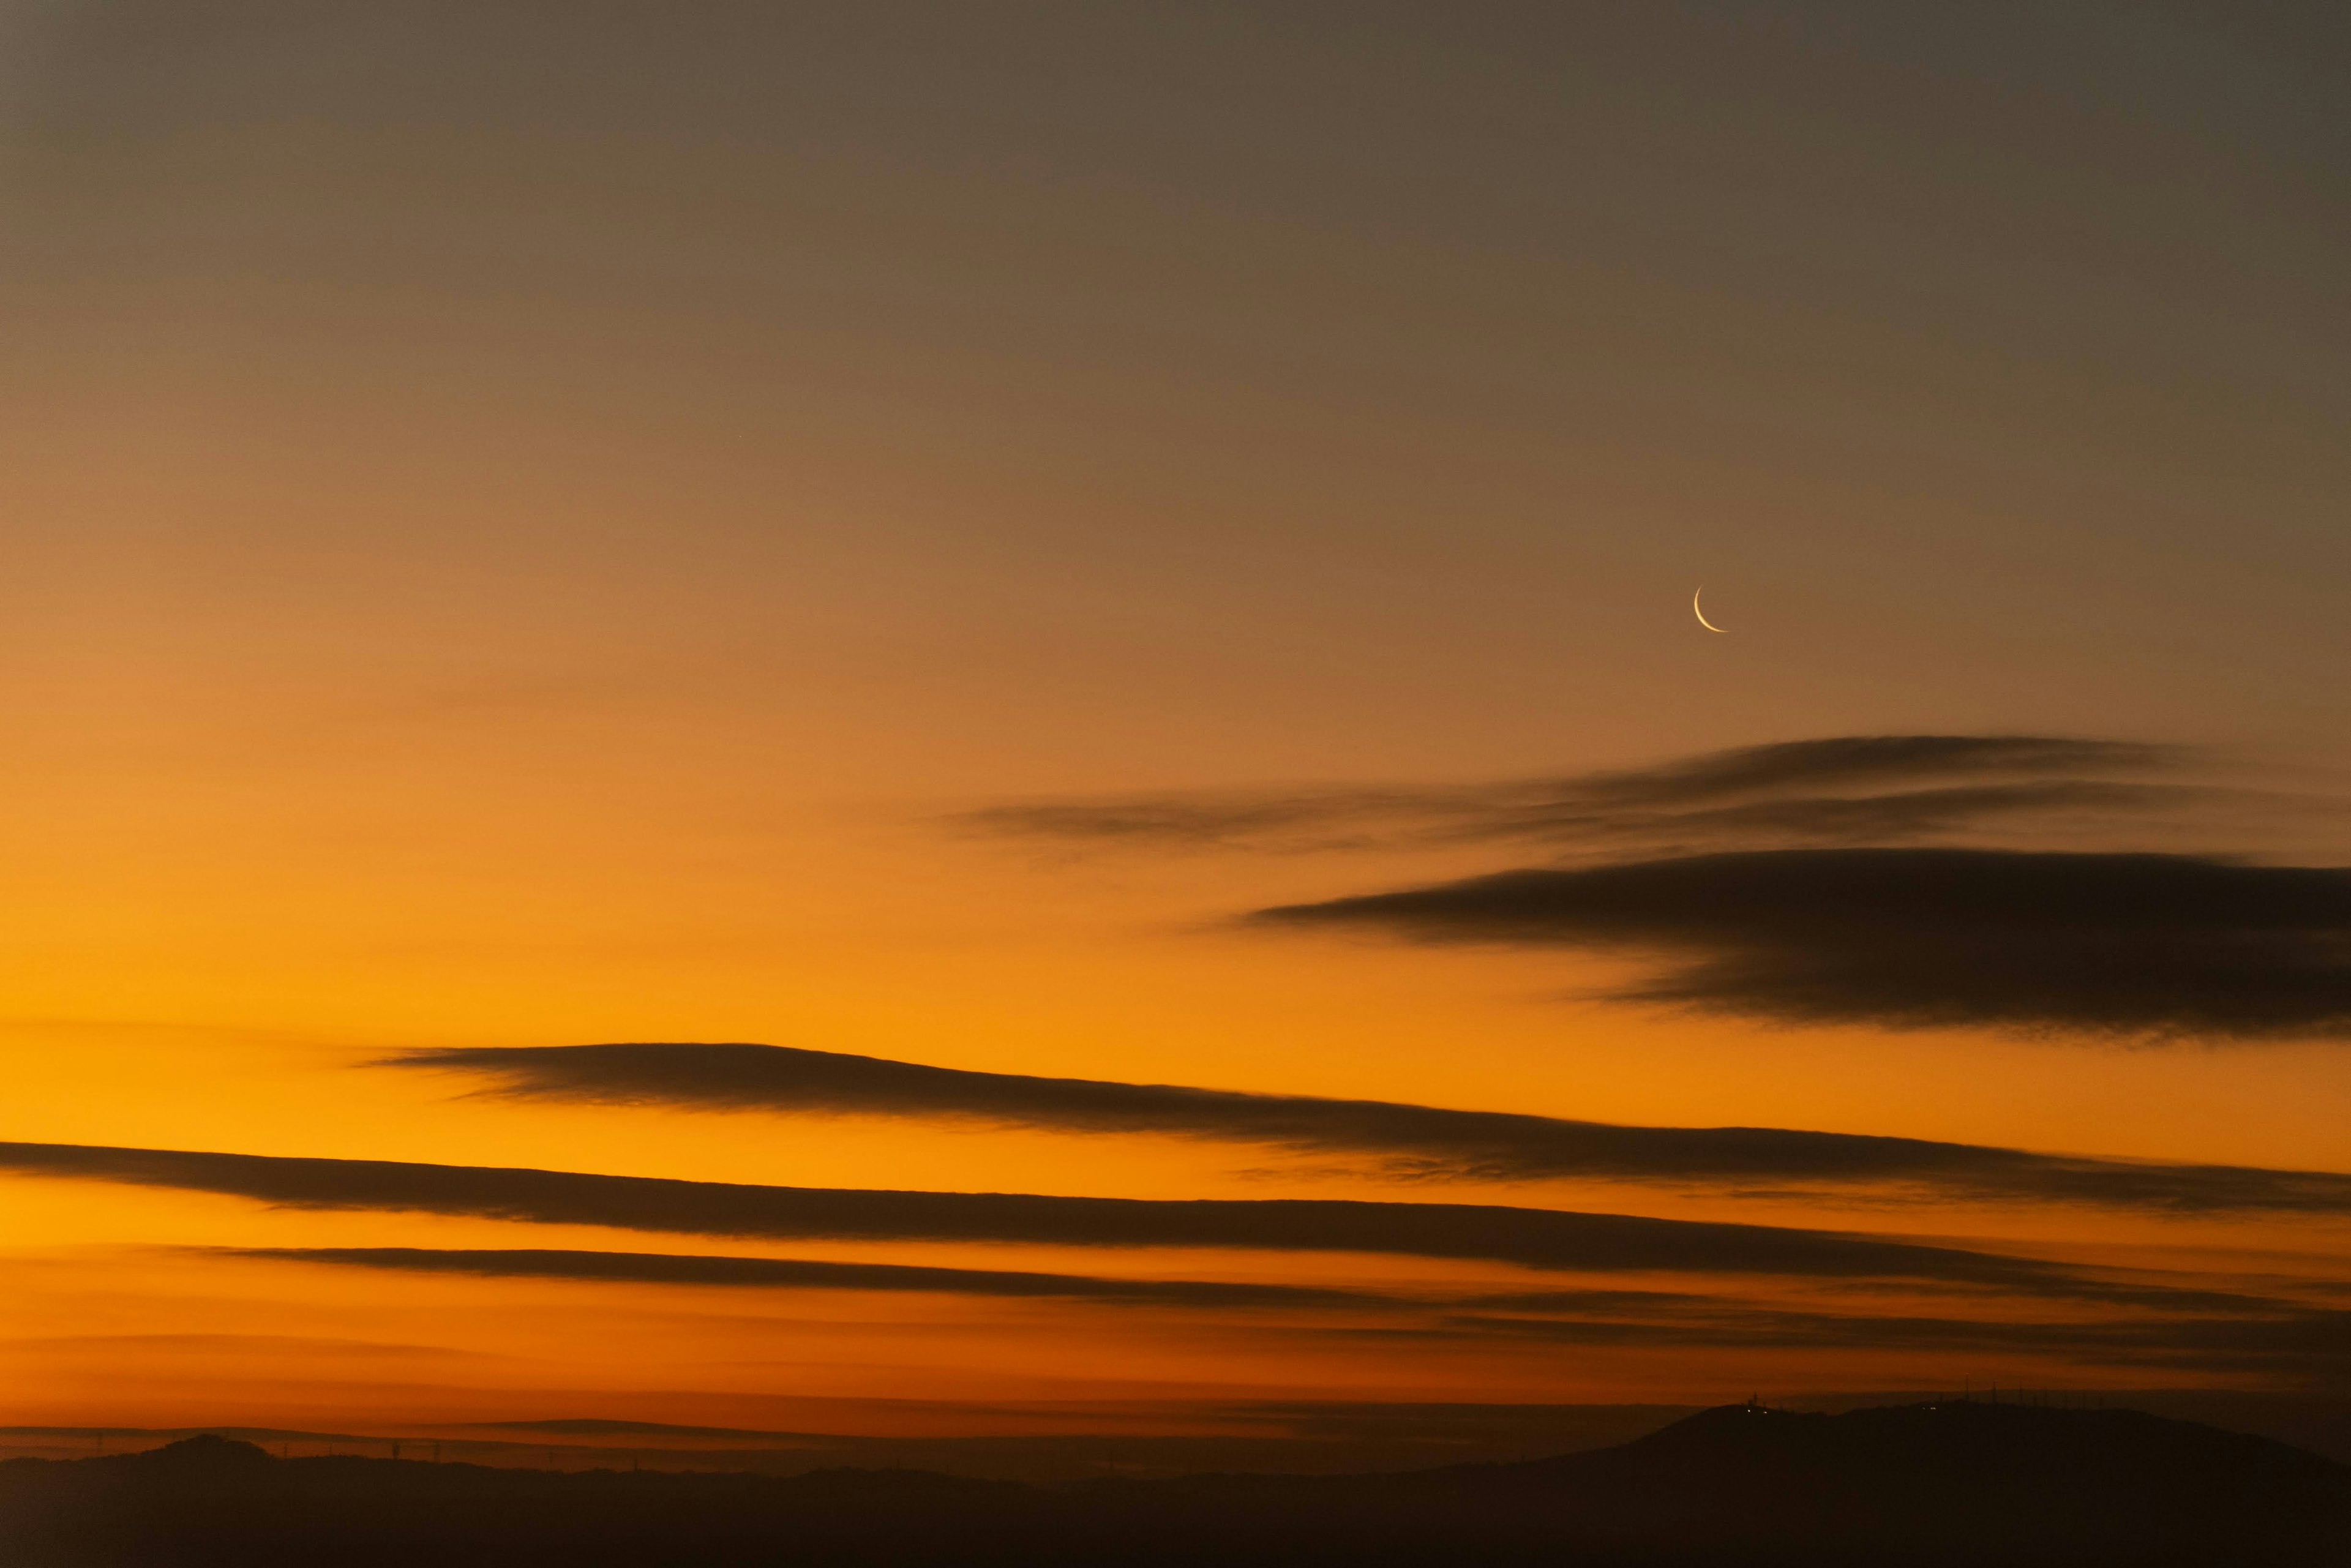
column 2157, row 947
column 2268, row 1335
column 217, row 1345
column 803, row 1274
column 1870, row 758
column 2256, row 1335
column 1399, row 1140
column 1532, row 1237
column 2285, row 1341
column 1840, row 790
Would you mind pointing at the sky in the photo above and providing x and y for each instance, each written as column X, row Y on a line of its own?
column 923, row 719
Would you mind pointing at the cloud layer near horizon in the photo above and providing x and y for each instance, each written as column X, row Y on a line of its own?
column 1532, row 1237
column 805, row 1274
column 2241, row 1334
column 1400, row 1140
column 2154, row 948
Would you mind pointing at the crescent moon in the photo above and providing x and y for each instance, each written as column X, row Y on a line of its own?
column 1701, row 614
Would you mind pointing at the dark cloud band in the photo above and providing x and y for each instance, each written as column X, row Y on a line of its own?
column 1402, row 1140
column 1533, row 1237
column 2155, row 947
column 804, row 1274
column 2238, row 1333
column 2301, row 1343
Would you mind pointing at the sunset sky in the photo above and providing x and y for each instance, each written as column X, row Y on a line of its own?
column 1153, row 545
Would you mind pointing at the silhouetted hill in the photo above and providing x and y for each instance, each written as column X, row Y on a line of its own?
column 207, row 1453
column 1277, row 1437
column 1927, row 1484
column 2000, row 1480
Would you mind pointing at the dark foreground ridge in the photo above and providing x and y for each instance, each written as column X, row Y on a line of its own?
column 1921, row 1484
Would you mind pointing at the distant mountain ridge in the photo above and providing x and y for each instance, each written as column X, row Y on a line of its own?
column 1302, row 1437
column 1932, row 1484
column 1307, row 1438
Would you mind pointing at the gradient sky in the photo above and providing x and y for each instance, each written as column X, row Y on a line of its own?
column 892, row 531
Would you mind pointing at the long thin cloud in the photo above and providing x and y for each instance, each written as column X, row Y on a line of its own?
column 1399, row 1140
column 2306, row 1344
column 1534, row 1237
column 2157, row 947
column 1839, row 789
column 2247, row 1334
column 805, row 1274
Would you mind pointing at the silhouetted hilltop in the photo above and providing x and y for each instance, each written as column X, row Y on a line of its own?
column 2004, row 1479
column 207, row 1453
column 1926, row 1484
column 1919, row 1451
column 1277, row 1437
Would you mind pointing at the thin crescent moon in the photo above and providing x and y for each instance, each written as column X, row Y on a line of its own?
column 1701, row 614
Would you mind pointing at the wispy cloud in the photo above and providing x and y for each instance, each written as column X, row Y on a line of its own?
column 1398, row 1140
column 1837, row 790
column 2156, row 947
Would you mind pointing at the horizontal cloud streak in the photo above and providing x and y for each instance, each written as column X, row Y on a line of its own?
column 1404, row 1140
column 2254, row 1335
column 2156, row 946
column 1909, row 787
column 2295, row 1342
column 803, row 1274
column 1533, row 1237
column 1869, row 758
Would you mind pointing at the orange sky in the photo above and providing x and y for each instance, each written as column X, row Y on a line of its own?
column 533, row 529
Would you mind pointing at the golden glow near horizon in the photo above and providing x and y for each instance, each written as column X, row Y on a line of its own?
column 541, row 529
